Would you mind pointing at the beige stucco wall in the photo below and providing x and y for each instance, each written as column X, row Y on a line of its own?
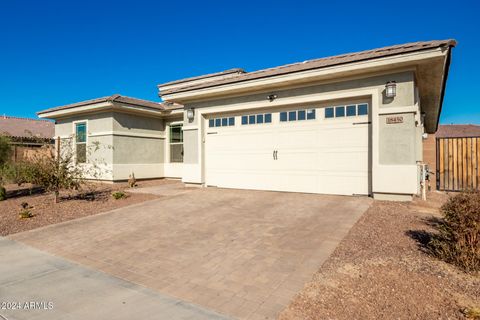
column 390, row 173
column 99, row 148
column 128, row 143
column 397, row 141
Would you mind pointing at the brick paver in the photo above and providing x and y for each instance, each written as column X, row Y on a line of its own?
column 241, row 253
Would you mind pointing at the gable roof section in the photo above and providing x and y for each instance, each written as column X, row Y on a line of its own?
column 457, row 131
column 26, row 128
column 316, row 64
column 113, row 98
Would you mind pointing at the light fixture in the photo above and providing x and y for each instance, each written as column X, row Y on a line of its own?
column 391, row 89
column 190, row 114
column 271, row 97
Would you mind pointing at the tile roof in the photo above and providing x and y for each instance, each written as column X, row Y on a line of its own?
column 319, row 63
column 26, row 128
column 113, row 98
column 205, row 76
column 457, row 131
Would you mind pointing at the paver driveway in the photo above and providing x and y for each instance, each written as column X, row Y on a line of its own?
column 241, row 253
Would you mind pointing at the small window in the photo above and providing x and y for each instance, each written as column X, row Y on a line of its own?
column 231, row 121
column 81, row 142
column 292, row 115
column 244, row 119
column 259, row 118
column 224, row 122
column 362, row 109
column 301, row 115
column 340, row 111
column 283, row 116
column 268, row 118
column 211, row 123
column 310, row 114
column 351, row 111
column 218, row 122
column 329, row 112
column 251, row 119
column 176, row 143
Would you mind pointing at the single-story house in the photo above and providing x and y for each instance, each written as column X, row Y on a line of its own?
column 27, row 136
column 453, row 157
column 351, row 124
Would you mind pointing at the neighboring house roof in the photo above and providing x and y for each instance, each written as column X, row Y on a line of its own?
column 113, row 98
column 315, row 64
column 457, row 131
column 26, row 128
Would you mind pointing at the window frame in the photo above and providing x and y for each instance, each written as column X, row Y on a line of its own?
column 74, row 125
column 170, row 143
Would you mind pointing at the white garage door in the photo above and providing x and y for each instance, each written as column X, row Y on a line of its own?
column 322, row 150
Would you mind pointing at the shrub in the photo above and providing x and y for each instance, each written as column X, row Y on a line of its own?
column 119, row 195
column 25, row 212
column 5, row 149
column 458, row 241
column 3, row 193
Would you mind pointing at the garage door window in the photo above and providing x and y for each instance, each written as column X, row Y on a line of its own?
column 297, row 115
column 176, row 143
column 257, row 118
column 363, row 109
column 221, row 122
column 351, row 110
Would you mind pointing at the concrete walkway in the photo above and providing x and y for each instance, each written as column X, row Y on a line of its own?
column 64, row 290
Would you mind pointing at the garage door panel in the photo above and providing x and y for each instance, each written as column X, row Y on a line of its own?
column 317, row 156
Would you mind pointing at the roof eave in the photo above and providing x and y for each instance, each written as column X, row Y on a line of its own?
column 305, row 76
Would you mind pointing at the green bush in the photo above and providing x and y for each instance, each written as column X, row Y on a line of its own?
column 458, row 241
column 119, row 195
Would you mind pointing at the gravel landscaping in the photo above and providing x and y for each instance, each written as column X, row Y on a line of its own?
column 94, row 198
column 379, row 271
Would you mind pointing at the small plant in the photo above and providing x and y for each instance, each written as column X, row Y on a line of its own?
column 458, row 241
column 472, row 313
column 25, row 212
column 119, row 195
column 132, row 182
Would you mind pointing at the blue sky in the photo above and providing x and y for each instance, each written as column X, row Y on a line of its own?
column 59, row 52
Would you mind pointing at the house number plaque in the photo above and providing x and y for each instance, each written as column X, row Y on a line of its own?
column 394, row 120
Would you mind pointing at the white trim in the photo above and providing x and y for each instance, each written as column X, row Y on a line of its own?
column 128, row 134
column 186, row 128
column 64, row 112
column 308, row 75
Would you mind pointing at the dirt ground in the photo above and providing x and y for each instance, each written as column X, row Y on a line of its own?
column 379, row 271
column 94, row 198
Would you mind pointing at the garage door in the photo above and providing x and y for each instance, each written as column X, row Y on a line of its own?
column 313, row 150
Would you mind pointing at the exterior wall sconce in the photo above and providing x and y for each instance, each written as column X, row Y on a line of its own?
column 190, row 114
column 391, row 89
column 271, row 97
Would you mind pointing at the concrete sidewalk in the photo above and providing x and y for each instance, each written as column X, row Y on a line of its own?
column 64, row 290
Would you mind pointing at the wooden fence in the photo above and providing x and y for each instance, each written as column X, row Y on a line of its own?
column 458, row 166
